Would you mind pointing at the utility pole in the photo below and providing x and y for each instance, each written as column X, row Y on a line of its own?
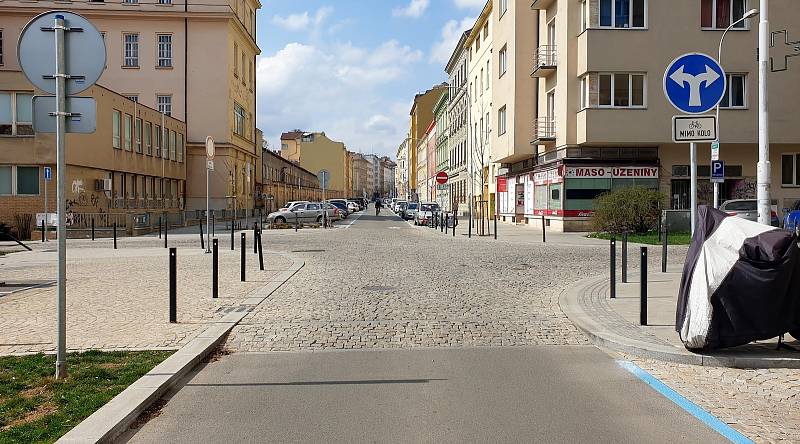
column 764, row 167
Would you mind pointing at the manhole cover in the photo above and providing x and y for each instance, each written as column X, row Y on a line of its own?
column 377, row 288
column 308, row 251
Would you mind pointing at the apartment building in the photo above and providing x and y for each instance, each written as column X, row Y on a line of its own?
column 284, row 181
column 421, row 116
column 480, row 49
column 314, row 151
column 360, row 184
column 129, row 171
column 389, row 168
column 442, row 153
column 192, row 61
column 603, row 121
column 423, row 185
column 458, row 121
column 401, row 173
column 514, row 94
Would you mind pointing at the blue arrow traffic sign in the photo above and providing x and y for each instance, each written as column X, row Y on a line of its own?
column 694, row 83
column 48, row 173
column 717, row 171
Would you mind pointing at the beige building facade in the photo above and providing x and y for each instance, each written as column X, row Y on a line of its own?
column 130, row 171
column 603, row 121
column 314, row 151
column 458, row 121
column 195, row 62
column 421, row 116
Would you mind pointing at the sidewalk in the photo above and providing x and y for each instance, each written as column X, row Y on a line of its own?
column 614, row 323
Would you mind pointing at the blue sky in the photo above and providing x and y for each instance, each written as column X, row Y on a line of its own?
column 351, row 67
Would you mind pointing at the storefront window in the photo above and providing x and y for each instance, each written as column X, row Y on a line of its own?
column 639, row 182
column 555, row 197
column 540, row 197
column 580, row 193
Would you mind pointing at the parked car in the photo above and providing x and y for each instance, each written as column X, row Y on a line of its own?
column 401, row 209
column 746, row 209
column 426, row 212
column 301, row 212
column 341, row 205
column 396, row 206
column 410, row 211
column 353, row 206
column 791, row 221
column 334, row 213
column 392, row 202
column 289, row 205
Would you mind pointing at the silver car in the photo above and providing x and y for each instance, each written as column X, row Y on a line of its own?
column 303, row 212
column 411, row 211
column 746, row 209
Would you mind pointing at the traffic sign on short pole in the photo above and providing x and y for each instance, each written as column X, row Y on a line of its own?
column 717, row 171
column 694, row 83
column 78, row 54
column 210, row 152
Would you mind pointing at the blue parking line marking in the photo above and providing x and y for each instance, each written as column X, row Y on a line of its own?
column 693, row 409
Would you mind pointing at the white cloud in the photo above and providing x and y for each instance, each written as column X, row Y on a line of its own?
column 414, row 9
column 469, row 4
column 451, row 33
column 302, row 21
column 337, row 88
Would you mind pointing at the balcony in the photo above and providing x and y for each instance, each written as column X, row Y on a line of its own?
column 544, row 131
column 544, row 61
column 541, row 4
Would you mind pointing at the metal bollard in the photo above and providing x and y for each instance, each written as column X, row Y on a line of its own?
column 255, row 235
column 625, row 257
column 166, row 230
column 613, row 281
column 159, row 232
column 213, row 226
column 232, row 241
column 202, row 240
column 495, row 226
column 643, row 289
column 446, row 223
column 664, row 243
column 544, row 232
column 295, row 221
column 173, row 286
column 159, row 226
column 243, row 257
column 260, row 252
column 215, row 269
column 115, row 235
column 455, row 222
column 42, row 230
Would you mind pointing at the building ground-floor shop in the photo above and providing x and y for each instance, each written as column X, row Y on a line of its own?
column 563, row 190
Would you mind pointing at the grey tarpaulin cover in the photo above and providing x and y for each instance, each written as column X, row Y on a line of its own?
column 741, row 282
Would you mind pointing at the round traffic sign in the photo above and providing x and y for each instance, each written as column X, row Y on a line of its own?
column 210, row 148
column 442, row 177
column 84, row 52
column 694, row 83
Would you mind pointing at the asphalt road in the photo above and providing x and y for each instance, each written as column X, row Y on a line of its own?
column 538, row 393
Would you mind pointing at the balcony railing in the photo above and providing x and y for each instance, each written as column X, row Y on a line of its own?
column 544, row 61
column 544, row 130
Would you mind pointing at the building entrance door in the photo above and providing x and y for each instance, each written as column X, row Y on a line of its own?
column 679, row 194
column 519, row 203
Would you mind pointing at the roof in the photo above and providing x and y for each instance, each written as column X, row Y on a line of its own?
column 294, row 164
column 457, row 51
column 476, row 29
column 292, row 135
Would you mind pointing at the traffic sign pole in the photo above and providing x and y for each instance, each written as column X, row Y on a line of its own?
column 61, row 169
column 210, row 152
column 46, row 219
column 693, row 186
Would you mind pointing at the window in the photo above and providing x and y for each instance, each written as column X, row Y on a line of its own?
column 585, row 14
column 503, row 7
column 584, row 92
column 622, row 13
column 790, row 169
column 138, row 135
column 485, row 31
column 148, row 138
column 128, row 122
column 132, row 98
column 131, row 50
column 27, row 180
column 235, row 59
column 620, row 90
column 1, row 47
column 502, row 60
column 16, row 114
column 487, row 74
column 131, row 2
column 164, row 50
column 165, row 140
column 115, row 118
column 157, row 134
column 735, row 93
column 501, row 121
column 180, row 148
column 172, row 146
column 477, row 43
column 238, row 119
column 252, row 75
column 5, row 179
column 164, row 104
column 244, row 69
column 481, row 89
column 719, row 14
column 164, row 2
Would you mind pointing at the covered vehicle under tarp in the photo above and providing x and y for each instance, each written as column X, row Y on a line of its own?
column 741, row 283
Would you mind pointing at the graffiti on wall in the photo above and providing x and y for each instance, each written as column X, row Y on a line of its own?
column 744, row 189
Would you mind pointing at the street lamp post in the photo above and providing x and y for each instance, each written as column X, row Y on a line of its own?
column 763, row 117
column 749, row 14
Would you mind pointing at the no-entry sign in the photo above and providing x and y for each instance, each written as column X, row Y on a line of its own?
column 441, row 177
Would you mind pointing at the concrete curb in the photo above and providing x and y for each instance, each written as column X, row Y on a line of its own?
column 117, row 415
column 601, row 335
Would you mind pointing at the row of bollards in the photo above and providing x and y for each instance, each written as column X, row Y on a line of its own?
column 643, row 270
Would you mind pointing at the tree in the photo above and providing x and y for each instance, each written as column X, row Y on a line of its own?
column 629, row 209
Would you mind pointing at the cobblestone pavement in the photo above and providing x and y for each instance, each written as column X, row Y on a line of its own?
column 763, row 404
column 119, row 299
